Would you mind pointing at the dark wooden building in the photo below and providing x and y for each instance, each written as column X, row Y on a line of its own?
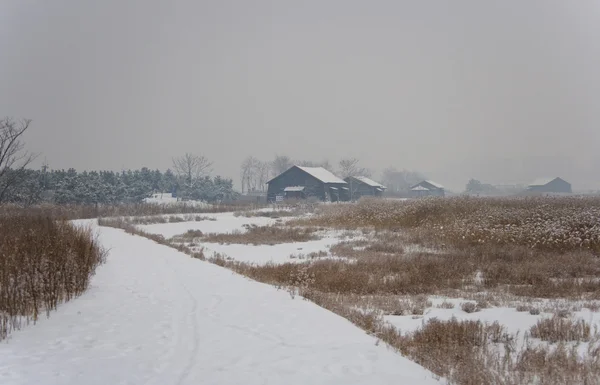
column 307, row 182
column 550, row 185
column 361, row 186
column 427, row 188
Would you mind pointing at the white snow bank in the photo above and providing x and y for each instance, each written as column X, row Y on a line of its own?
column 510, row 318
column 279, row 253
column 224, row 223
column 155, row 316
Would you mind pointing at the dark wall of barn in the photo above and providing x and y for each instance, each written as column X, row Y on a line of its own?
column 555, row 186
column 360, row 189
column 296, row 177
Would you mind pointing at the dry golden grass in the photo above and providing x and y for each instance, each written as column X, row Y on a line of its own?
column 43, row 262
column 561, row 329
column 122, row 210
column 264, row 235
column 549, row 224
column 274, row 214
column 149, row 220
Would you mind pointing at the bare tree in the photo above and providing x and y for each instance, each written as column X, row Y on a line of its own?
column 263, row 170
column 191, row 167
column 13, row 158
column 350, row 167
column 280, row 164
column 400, row 181
column 248, row 173
column 309, row 163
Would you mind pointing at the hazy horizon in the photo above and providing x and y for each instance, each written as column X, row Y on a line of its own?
column 504, row 92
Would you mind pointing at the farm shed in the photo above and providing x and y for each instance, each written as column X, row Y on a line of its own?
column 306, row 182
column 550, row 185
column 360, row 186
column 427, row 188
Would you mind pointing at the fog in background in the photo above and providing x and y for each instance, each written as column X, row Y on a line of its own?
column 502, row 91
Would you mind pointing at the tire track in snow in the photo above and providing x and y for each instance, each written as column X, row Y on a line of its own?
column 195, row 333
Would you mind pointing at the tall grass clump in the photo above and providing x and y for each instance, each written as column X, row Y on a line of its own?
column 544, row 223
column 560, row 329
column 126, row 209
column 43, row 262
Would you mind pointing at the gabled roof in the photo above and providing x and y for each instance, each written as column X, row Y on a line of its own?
column 430, row 182
column 543, row 181
column 319, row 173
column 322, row 174
column 419, row 188
column 368, row 181
column 434, row 184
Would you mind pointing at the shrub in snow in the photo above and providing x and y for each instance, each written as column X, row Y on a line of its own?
column 469, row 307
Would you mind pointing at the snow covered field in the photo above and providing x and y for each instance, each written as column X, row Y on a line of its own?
column 261, row 254
column 156, row 316
column 514, row 321
column 223, row 223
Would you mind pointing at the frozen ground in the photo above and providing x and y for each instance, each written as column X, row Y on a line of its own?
column 223, row 223
column 261, row 254
column 510, row 318
column 279, row 253
column 154, row 316
column 513, row 321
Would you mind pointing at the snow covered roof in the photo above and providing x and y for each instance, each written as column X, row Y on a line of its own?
column 294, row 188
column 430, row 183
column 419, row 188
column 541, row 181
column 322, row 174
column 434, row 184
column 368, row 181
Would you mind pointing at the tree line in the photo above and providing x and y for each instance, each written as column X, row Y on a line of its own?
column 109, row 187
column 189, row 179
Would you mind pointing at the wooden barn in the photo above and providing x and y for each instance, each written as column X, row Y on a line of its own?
column 361, row 186
column 427, row 188
column 550, row 185
column 307, row 182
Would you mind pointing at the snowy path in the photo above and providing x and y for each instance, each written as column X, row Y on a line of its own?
column 154, row 316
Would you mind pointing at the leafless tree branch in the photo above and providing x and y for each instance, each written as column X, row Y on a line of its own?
column 191, row 167
column 13, row 158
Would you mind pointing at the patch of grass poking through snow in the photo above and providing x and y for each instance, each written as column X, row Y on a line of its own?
column 469, row 307
column 560, row 329
column 264, row 235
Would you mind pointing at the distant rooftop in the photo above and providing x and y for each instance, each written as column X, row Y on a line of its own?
column 368, row 181
column 542, row 181
column 434, row 184
column 322, row 174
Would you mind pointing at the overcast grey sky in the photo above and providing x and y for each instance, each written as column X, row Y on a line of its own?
column 503, row 91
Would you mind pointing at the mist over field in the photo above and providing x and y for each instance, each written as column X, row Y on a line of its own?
column 504, row 92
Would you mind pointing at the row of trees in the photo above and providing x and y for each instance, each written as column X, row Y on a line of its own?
column 108, row 187
column 189, row 179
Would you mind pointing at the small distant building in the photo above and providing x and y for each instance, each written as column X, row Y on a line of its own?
column 361, row 186
column 161, row 198
column 305, row 182
column 550, row 185
column 427, row 188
